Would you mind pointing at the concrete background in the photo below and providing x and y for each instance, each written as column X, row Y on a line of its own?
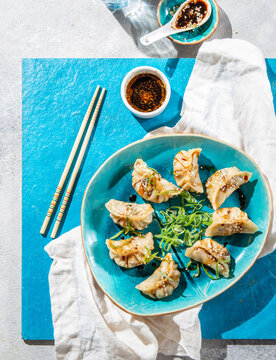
column 59, row 28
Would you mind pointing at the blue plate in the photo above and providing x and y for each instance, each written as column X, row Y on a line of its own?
column 113, row 180
column 192, row 37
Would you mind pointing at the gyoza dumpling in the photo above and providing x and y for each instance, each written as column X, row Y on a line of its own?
column 150, row 185
column 139, row 215
column 129, row 253
column 228, row 221
column 163, row 281
column 223, row 183
column 208, row 252
column 185, row 166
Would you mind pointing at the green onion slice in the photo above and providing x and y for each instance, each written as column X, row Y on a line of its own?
column 166, row 276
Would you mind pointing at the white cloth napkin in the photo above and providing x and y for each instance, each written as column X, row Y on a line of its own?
column 87, row 325
column 228, row 96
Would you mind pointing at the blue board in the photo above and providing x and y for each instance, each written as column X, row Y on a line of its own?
column 56, row 94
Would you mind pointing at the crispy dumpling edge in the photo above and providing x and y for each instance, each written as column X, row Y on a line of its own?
column 172, row 287
column 114, row 255
column 156, row 198
column 122, row 220
column 190, row 187
column 225, row 266
column 209, row 233
column 210, row 191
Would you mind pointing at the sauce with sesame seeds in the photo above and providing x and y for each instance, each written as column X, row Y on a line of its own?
column 146, row 92
column 132, row 198
column 209, row 168
column 192, row 14
column 241, row 198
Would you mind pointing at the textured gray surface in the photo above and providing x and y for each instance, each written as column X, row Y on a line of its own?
column 72, row 29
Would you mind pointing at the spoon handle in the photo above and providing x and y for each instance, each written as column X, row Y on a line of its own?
column 156, row 35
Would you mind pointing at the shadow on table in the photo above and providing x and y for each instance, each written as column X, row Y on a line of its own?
column 169, row 117
column 40, row 342
column 144, row 21
column 241, row 302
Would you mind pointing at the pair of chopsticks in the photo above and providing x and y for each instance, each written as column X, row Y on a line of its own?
column 69, row 164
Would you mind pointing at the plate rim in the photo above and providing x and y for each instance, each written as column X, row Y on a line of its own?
column 227, row 287
column 193, row 42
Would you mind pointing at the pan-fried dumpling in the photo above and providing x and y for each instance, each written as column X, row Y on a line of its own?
column 139, row 215
column 209, row 252
column 150, row 185
column 129, row 253
column 223, row 183
column 228, row 221
column 185, row 166
column 163, row 281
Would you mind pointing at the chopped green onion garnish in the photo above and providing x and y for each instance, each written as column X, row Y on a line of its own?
column 183, row 225
column 116, row 235
column 153, row 170
column 166, row 276
column 198, row 270
column 189, row 264
column 127, row 229
column 121, row 245
column 209, row 275
column 217, row 270
column 149, row 257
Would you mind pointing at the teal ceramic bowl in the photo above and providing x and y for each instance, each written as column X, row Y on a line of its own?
column 113, row 181
column 192, row 37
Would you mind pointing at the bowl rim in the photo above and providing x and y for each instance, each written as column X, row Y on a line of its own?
column 269, row 192
column 194, row 42
column 151, row 70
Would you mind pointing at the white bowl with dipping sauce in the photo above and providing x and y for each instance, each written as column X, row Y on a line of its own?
column 149, row 98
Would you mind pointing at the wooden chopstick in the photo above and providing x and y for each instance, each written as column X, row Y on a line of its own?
column 77, row 166
column 69, row 162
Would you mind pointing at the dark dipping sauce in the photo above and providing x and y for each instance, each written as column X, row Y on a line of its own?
column 132, row 198
column 191, row 14
column 146, row 92
column 241, row 198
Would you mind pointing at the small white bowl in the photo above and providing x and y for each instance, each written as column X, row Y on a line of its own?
column 147, row 70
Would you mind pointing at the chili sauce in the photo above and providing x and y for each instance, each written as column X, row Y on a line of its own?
column 146, row 92
column 192, row 14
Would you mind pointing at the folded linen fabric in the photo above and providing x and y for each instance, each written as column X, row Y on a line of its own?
column 88, row 325
column 228, row 96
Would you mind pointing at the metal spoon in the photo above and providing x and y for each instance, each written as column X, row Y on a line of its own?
column 170, row 28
